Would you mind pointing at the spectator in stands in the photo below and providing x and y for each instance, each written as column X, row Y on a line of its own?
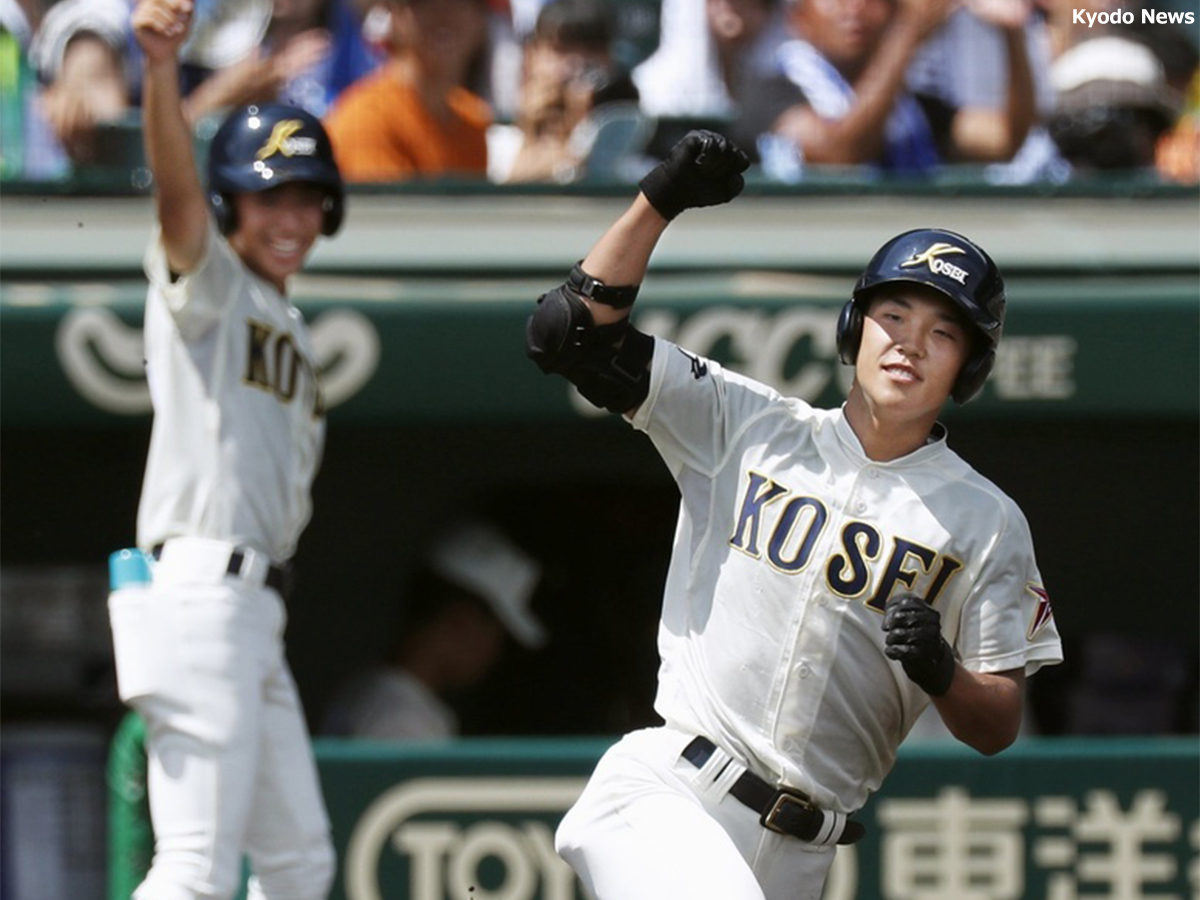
column 496, row 73
column 850, row 58
column 716, row 65
column 964, row 65
column 746, row 36
column 28, row 148
column 1177, row 155
column 81, row 54
column 302, row 52
column 1114, row 105
column 85, row 55
column 569, row 73
column 311, row 52
column 464, row 601
column 413, row 117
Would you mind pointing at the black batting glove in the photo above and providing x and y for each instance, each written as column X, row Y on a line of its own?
column 703, row 169
column 914, row 639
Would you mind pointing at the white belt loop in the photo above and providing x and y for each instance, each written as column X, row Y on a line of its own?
column 835, row 824
column 725, row 780
column 254, row 566
column 190, row 560
column 718, row 773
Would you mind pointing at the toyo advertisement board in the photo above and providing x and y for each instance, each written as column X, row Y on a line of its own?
column 1050, row 819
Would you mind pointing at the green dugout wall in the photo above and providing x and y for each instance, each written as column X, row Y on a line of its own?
column 474, row 820
column 1089, row 421
column 1048, row 820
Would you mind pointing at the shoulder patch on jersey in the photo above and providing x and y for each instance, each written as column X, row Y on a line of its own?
column 1043, row 614
column 699, row 366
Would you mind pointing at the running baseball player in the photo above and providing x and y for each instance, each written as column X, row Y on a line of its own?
column 833, row 573
column 197, row 613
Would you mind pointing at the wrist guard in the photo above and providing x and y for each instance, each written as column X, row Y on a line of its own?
column 585, row 285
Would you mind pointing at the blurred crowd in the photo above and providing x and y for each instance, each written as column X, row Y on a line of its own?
column 559, row 91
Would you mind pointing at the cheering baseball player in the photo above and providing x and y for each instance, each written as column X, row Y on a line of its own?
column 197, row 613
column 833, row 571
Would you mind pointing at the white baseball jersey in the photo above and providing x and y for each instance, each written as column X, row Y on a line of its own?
column 789, row 542
column 238, row 419
column 237, row 436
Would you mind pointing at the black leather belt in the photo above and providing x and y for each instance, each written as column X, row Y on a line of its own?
column 782, row 810
column 276, row 575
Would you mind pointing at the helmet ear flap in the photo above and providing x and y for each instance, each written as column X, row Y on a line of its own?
column 223, row 211
column 334, row 209
column 849, row 332
column 974, row 373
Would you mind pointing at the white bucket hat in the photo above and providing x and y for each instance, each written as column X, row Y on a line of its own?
column 477, row 557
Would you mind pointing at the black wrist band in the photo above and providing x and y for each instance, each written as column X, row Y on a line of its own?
column 587, row 286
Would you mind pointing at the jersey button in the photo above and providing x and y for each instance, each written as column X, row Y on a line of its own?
column 804, row 670
column 822, row 600
column 860, row 506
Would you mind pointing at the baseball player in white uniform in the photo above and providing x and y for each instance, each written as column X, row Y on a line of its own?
column 833, row 571
column 197, row 611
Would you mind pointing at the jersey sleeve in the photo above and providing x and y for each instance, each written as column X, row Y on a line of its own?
column 1007, row 621
column 695, row 408
column 196, row 300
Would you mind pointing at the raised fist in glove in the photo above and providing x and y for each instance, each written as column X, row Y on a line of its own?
column 703, row 169
column 914, row 639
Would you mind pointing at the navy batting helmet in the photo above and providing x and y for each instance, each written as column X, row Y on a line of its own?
column 948, row 263
column 264, row 145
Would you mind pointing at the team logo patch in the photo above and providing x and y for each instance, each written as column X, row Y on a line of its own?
column 1043, row 614
column 283, row 140
column 932, row 257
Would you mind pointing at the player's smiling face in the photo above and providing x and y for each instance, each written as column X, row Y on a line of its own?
column 276, row 229
column 914, row 343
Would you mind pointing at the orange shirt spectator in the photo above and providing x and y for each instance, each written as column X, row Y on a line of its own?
column 413, row 118
column 381, row 131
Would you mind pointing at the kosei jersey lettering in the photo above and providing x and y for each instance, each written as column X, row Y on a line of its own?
column 238, row 418
column 789, row 542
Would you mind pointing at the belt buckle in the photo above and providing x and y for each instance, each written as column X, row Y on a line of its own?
column 779, row 804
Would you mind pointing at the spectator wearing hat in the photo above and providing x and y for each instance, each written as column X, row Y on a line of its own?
column 466, row 600
column 1114, row 104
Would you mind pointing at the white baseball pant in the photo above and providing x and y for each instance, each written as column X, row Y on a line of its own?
column 200, row 655
column 650, row 825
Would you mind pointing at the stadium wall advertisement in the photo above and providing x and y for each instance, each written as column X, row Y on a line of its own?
column 1050, row 819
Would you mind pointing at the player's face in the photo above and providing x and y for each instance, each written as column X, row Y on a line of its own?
column 276, row 229
column 914, row 344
